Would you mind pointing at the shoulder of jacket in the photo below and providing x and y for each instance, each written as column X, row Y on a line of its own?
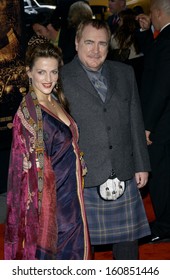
column 117, row 66
column 69, row 66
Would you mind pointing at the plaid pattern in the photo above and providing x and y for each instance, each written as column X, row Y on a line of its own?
column 116, row 221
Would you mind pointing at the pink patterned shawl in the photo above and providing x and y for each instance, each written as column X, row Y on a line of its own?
column 25, row 228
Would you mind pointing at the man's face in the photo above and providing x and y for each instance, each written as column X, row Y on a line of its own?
column 115, row 6
column 157, row 15
column 41, row 30
column 153, row 15
column 92, row 47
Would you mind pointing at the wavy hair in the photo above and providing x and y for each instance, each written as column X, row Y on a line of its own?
column 125, row 34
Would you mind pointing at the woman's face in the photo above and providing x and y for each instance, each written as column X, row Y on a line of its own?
column 44, row 75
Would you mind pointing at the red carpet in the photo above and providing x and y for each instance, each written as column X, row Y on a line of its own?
column 159, row 251
column 1, row 242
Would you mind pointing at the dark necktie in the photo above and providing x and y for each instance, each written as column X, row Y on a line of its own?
column 115, row 20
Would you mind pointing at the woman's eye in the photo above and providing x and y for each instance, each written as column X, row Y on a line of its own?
column 40, row 72
column 55, row 72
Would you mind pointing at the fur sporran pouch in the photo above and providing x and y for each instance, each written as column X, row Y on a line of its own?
column 112, row 189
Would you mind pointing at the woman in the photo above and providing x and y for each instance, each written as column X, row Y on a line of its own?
column 46, row 217
column 124, row 37
column 124, row 45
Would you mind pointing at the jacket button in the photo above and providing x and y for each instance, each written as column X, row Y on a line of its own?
column 110, row 147
column 105, row 110
column 108, row 128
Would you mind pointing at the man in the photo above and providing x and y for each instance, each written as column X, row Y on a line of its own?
column 115, row 7
column 78, row 12
column 104, row 102
column 61, row 13
column 155, row 98
column 42, row 25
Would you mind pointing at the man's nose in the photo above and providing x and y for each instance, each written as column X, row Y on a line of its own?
column 96, row 48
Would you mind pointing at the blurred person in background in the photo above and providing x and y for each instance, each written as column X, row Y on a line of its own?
column 42, row 25
column 78, row 12
column 66, row 37
column 124, row 45
column 155, row 100
column 115, row 6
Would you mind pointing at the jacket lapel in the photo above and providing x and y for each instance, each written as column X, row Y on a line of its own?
column 111, row 81
column 82, row 80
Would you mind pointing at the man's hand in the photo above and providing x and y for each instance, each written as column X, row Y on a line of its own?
column 147, row 134
column 144, row 21
column 141, row 179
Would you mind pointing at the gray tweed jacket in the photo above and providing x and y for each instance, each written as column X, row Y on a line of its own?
column 111, row 133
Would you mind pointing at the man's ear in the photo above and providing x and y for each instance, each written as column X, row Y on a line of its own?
column 49, row 26
column 159, row 13
column 76, row 44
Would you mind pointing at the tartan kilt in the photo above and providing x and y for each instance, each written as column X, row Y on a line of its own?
column 116, row 221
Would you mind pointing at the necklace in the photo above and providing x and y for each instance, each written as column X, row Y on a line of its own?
column 53, row 105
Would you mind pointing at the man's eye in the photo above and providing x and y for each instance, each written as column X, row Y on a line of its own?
column 103, row 44
column 88, row 42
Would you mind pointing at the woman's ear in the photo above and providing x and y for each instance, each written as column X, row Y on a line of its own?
column 28, row 71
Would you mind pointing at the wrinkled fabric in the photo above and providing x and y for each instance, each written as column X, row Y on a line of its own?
column 30, row 235
column 121, row 220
